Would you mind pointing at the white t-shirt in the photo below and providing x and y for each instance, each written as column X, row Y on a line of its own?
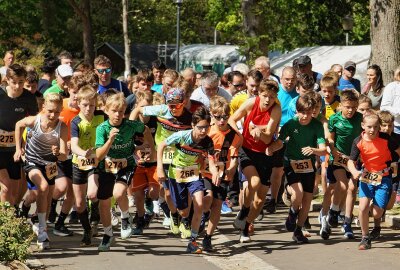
column 199, row 95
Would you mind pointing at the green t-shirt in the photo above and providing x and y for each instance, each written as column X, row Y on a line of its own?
column 123, row 144
column 346, row 130
column 301, row 136
column 54, row 89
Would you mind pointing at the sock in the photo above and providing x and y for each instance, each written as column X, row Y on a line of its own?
column 84, row 219
column 94, row 212
column 298, row 228
column 175, row 217
column 273, row 200
column 185, row 221
column 347, row 220
column 293, row 211
column 244, row 212
column 42, row 222
column 246, row 228
column 207, row 236
column 193, row 236
column 108, row 231
column 53, row 205
column 335, row 207
column 61, row 219
column 124, row 214
column 164, row 207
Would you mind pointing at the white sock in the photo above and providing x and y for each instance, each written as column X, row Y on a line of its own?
column 108, row 230
column 124, row 214
column 42, row 222
column 335, row 207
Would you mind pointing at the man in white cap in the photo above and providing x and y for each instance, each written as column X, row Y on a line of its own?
column 63, row 77
column 347, row 81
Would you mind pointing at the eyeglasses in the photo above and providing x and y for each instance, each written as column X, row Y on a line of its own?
column 103, row 70
column 238, row 85
column 175, row 105
column 221, row 117
column 203, row 128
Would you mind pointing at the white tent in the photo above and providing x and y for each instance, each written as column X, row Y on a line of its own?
column 323, row 57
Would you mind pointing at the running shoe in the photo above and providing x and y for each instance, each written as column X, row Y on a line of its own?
column 147, row 219
column 365, row 243
column 131, row 201
column 207, row 246
column 375, row 233
column 307, row 224
column 148, row 206
column 185, row 230
column 62, row 231
column 43, row 241
column 95, row 228
column 114, row 217
column 348, row 231
column 260, row 216
column 225, row 209
column 270, row 206
column 193, row 248
column 325, row 231
column 105, row 243
column 299, row 237
column 138, row 230
column 126, row 229
column 320, row 215
column 166, row 222
column 87, row 239
column 156, row 208
column 333, row 218
column 174, row 226
column 244, row 237
column 290, row 223
column 251, row 229
column 240, row 221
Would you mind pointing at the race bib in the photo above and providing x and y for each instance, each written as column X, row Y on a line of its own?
column 220, row 167
column 302, row 166
column 7, row 138
column 86, row 164
column 51, row 170
column 114, row 165
column 341, row 160
column 168, row 154
column 371, row 178
column 142, row 155
column 186, row 174
column 394, row 167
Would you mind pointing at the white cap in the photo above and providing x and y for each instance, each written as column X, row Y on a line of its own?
column 64, row 70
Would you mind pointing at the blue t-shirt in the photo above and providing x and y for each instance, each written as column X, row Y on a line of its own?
column 352, row 83
column 284, row 98
column 157, row 88
column 120, row 86
column 291, row 112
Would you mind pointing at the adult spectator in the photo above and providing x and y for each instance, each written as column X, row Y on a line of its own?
column 158, row 68
column 347, row 81
column 305, row 66
column 63, row 77
column 189, row 75
column 287, row 92
column 236, row 82
column 391, row 101
column 262, row 64
column 242, row 68
column 374, row 87
column 8, row 60
column 103, row 69
column 209, row 88
column 48, row 69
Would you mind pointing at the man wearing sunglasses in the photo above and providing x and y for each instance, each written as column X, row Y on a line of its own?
column 347, row 81
column 236, row 82
column 103, row 69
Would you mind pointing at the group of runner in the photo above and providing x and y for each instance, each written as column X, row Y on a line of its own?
column 185, row 153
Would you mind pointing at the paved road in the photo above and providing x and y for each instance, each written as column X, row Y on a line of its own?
column 271, row 248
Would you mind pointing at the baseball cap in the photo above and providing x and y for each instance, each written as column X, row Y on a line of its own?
column 175, row 95
column 349, row 64
column 64, row 70
column 304, row 60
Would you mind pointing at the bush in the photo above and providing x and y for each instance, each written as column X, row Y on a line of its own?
column 15, row 235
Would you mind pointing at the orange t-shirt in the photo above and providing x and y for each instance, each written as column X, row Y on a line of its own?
column 67, row 114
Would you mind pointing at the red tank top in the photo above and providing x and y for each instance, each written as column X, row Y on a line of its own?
column 258, row 118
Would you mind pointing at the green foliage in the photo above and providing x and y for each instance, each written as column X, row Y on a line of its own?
column 15, row 235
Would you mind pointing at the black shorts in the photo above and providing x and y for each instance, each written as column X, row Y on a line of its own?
column 331, row 177
column 221, row 192
column 260, row 161
column 108, row 180
column 29, row 166
column 13, row 168
column 277, row 158
column 80, row 177
column 64, row 169
column 307, row 180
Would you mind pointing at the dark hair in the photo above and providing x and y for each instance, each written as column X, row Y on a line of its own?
column 268, row 85
column 144, row 75
column 158, row 64
column 305, row 103
column 224, row 80
column 32, row 77
column 378, row 87
column 201, row 114
column 256, row 75
column 233, row 74
column 50, row 65
column 306, row 81
column 65, row 55
column 16, row 70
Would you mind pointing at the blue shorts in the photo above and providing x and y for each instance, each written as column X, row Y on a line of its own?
column 180, row 191
column 379, row 194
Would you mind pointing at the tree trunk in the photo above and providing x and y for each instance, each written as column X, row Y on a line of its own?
column 385, row 36
column 88, row 41
column 126, row 38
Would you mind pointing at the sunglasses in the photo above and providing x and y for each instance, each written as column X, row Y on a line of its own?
column 221, row 117
column 175, row 105
column 238, row 85
column 103, row 70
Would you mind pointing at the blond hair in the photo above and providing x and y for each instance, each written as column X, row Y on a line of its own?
column 53, row 98
column 87, row 93
column 158, row 99
column 116, row 100
column 219, row 104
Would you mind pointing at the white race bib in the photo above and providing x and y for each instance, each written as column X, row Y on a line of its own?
column 86, row 164
column 7, row 138
column 114, row 165
column 341, row 160
column 371, row 178
column 302, row 166
column 168, row 154
column 186, row 174
column 51, row 170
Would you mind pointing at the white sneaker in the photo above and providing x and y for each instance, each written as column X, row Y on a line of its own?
column 244, row 238
column 166, row 222
column 131, row 201
column 35, row 228
column 114, row 218
column 156, row 208
column 43, row 241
